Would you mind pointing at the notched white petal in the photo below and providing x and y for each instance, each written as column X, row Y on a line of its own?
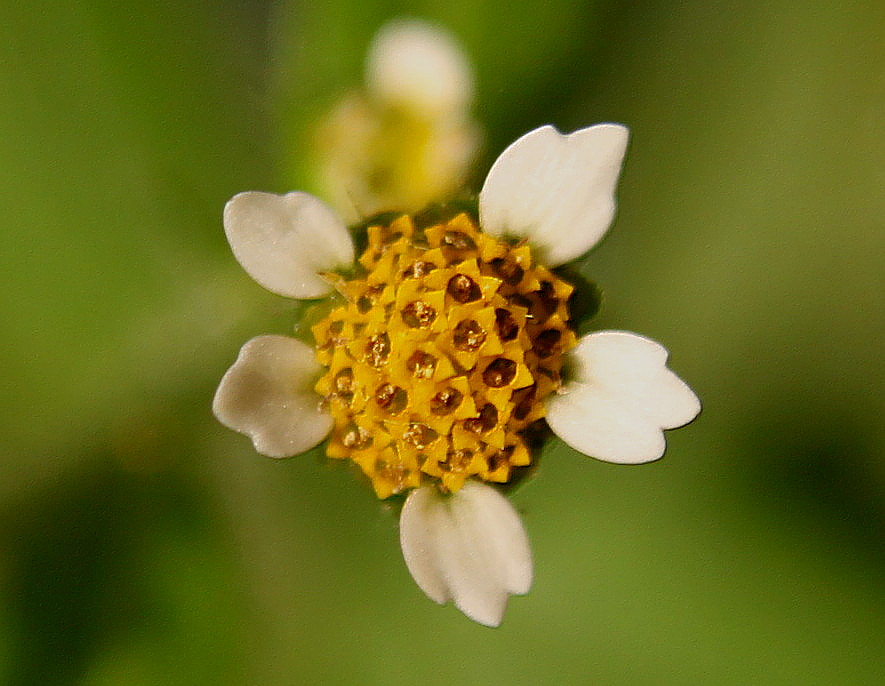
column 622, row 398
column 268, row 395
column 417, row 64
column 285, row 241
column 556, row 190
column 469, row 547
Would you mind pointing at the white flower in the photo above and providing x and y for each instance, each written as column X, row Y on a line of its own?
column 408, row 139
column 558, row 193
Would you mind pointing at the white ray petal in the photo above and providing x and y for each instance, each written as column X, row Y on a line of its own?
column 556, row 190
column 622, row 398
column 285, row 241
column 469, row 547
column 268, row 395
column 417, row 64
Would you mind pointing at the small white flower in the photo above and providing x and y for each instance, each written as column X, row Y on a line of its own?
column 408, row 139
column 557, row 192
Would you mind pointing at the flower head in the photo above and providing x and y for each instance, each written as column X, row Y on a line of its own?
column 441, row 355
column 443, row 345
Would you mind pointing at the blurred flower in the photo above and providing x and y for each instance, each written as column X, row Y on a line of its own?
column 445, row 348
column 408, row 140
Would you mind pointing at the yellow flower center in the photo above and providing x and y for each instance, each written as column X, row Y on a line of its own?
column 442, row 355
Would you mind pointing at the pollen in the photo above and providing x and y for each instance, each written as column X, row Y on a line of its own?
column 441, row 355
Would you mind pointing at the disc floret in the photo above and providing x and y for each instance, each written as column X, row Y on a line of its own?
column 440, row 358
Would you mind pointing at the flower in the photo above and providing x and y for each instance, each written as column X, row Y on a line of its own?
column 442, row 350
column 407, row 138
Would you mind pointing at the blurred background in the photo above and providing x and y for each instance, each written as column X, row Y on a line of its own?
column 143, row 543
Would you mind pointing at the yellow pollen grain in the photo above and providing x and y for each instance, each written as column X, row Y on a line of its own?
column 442, row 355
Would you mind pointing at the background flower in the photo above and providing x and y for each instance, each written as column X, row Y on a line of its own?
column 142, row 547
column 407, row 138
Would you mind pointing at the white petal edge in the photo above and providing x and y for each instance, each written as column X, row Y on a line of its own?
column 268, row 395
column 556, row 190
column 285, row 241
column 469, row 547
column 418, row 64
column 622, row 398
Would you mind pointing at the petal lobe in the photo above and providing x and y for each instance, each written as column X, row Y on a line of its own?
column 556, row 190
column 284, row 242
column 469, row 547
column 622, row 399
column 268, row 395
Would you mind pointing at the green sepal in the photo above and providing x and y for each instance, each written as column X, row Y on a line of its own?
column 586, row 300
column 311, row 312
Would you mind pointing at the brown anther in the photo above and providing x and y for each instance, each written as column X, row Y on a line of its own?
column 419, row 435
column 523, row 400
column 418, row 314
column 499, row 373
column 457, row 460
column 369, row 298
column 446, row 401
column 488, row 417
column 545, row 342
column 486, row 421
column 395, row 473
column 378, row 349
column 458, row 240
column 553, row 375
column 344, row 380
column 384, row 395
column 418, row 269
column 391, row 236
column 463, row 289
column 391, row 398
column 421, row 364
column 521, row 301
column 356, row 437
column 507, row 327
column 544, row 303
column 468, row 336
column 509, row 272
column 344, row 386
column 500, row 458
column 336, row 328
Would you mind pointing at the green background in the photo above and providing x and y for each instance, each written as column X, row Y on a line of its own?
column 142, row 543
